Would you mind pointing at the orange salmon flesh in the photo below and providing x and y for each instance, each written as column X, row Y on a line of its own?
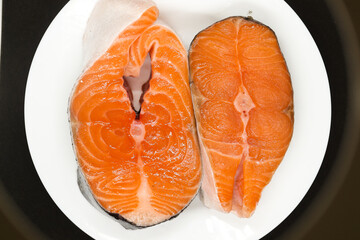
column 143, row 166
column 243, row 102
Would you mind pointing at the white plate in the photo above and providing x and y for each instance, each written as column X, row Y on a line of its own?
column 56, row 66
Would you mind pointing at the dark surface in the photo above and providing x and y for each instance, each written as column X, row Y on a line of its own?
column 24, row 23
column 341, row 218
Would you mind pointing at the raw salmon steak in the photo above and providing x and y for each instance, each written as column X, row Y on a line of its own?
column 243, row 102
column 141, row 165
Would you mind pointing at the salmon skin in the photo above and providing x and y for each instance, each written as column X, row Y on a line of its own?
column 243, row 101
column 140, row 166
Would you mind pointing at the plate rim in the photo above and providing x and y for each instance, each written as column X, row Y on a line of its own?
column 26, row 114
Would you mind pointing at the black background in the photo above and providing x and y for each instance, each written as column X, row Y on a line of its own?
column 327, row 212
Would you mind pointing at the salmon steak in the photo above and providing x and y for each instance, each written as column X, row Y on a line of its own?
column 243, row 101
column 141, row 165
